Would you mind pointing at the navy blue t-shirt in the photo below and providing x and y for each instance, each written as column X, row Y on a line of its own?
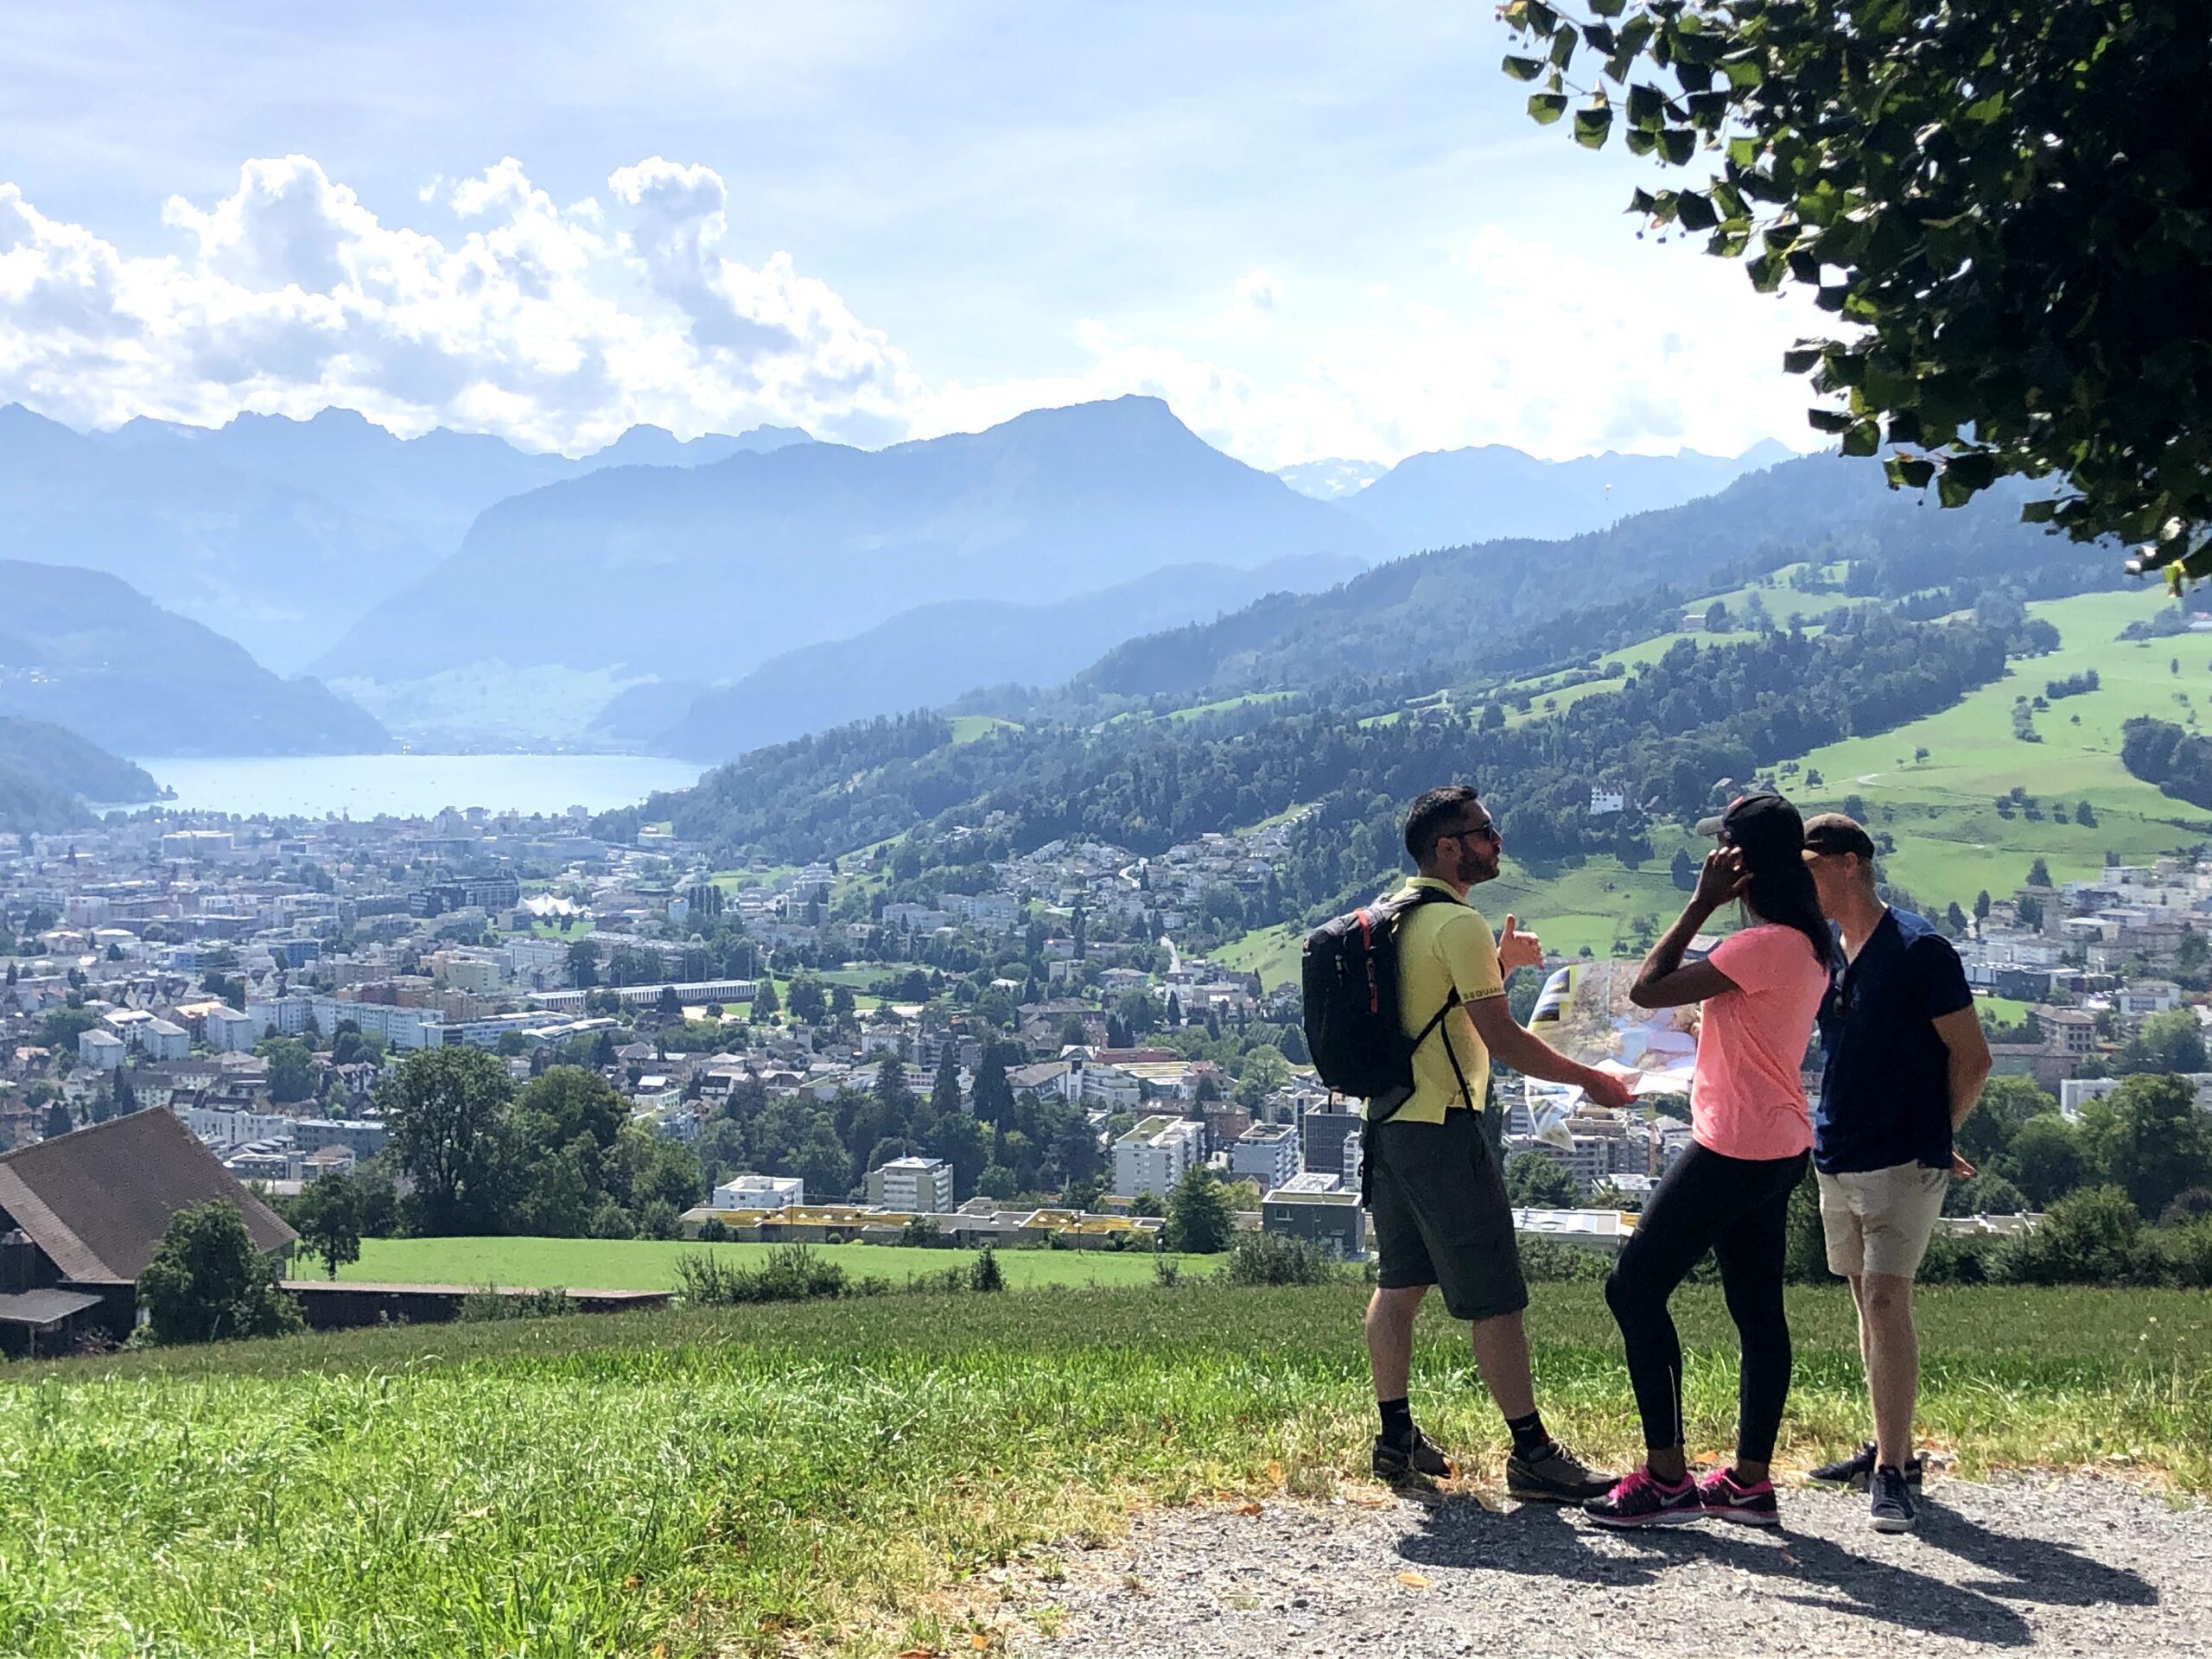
column 1885, row 1087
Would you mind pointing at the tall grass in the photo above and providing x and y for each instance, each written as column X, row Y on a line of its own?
column 732, row 1479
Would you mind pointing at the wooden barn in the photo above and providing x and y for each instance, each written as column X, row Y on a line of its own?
column 82, row 1215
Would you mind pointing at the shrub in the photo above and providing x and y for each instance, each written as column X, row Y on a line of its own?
column 711, row 1230
column 487, row 1306
column 1546, row 1260
column 2185, row 1254
column 1958, row 1258
column 208, row 1282
column 2090, row 1238
column 984, row 1273
column 791, row 1273
column 1274, row 1259
column 1166, row 1271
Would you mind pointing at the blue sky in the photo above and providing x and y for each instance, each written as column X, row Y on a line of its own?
column 1316, row 229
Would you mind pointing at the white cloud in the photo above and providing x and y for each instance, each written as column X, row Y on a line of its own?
column 1656, row 349
column 559, row 327
column 528, row 320
column 1256, row 293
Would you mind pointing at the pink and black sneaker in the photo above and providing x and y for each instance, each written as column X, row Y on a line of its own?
column 1640, row 1500
column 1725, row 1498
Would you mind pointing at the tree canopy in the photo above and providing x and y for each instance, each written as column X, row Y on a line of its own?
column 2006, row 204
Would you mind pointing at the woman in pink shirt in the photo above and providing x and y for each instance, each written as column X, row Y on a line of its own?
column 1729, row 1192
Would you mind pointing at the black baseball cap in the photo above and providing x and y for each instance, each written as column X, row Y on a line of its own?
column 1764, row 825
column 1835, row 832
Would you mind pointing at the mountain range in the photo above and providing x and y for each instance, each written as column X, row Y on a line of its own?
column 709, row 572
column 1450, row 497
column 275, row 532
column 932, row 654
column 465, row 591
column 84, row 649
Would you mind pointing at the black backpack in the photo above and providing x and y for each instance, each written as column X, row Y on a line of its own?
column 1352, row 1029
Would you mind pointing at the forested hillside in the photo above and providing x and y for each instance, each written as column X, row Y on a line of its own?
column 1675, row 730
column 1611, row 588
column 47, row 772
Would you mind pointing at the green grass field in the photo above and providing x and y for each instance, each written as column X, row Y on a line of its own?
column 966, row 728
column 650, row 1264
column 843, row 1477
column 1951, row 840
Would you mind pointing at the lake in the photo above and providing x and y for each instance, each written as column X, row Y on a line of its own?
column 415, row 786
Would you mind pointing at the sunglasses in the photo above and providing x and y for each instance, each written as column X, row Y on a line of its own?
column 1485, row 831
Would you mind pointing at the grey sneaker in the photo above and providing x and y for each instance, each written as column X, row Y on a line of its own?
column 1891, row 1505
column 1555, row 1476
column 1415, row 1459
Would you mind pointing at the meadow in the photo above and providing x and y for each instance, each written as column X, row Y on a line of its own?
column 650, row 1264
column 847, row 1476
column 1951, row 841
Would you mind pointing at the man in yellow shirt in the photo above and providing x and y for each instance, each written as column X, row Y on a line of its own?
column 1441, row 1213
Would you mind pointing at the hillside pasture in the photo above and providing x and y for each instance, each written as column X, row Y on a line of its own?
column 650, row 1264
column 848, row 1476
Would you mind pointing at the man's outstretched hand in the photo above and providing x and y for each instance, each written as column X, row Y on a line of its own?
column 1604, row 1088
column 1516, row 950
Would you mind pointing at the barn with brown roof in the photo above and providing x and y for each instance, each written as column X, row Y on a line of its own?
column 83, row 1214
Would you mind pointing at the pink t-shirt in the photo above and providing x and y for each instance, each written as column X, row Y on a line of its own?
column 1745, row 1097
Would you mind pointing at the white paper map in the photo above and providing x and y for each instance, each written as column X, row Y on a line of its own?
column 1584, row 1013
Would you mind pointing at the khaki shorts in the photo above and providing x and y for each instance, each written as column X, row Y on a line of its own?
column 1879, row 1220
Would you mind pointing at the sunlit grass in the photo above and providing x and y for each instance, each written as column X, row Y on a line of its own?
column 734, row 1479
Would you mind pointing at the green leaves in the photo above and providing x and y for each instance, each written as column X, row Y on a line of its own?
column 1828, row 420
column 1956, row 195
column 1908, row 472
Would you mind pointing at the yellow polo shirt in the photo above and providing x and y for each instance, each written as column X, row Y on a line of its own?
column 1442, row 946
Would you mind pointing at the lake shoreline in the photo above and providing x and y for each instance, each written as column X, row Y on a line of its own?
column 406, row 784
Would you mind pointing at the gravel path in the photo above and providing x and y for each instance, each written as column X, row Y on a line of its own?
column 2075, row 1566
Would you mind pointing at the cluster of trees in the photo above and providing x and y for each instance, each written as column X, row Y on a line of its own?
column 556, row 1157
column 2177, row 761
column 1011, row 1143
column 2145, row 1139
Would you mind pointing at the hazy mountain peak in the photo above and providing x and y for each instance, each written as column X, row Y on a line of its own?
column 1331, row 479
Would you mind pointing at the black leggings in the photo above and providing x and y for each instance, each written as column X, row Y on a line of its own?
column 1735, row 1207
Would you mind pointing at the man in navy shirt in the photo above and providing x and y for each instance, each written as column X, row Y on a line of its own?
column 1905, row 1062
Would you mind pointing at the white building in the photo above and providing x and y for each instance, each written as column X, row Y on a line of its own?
column 916, row 1186
column 2074, row 1093
column 179, row 844
column 760, row 1192
column 163, row 1039
column 1152, row 1157
column 1266, row 1152
column 101, row 1048
column 230, row 1032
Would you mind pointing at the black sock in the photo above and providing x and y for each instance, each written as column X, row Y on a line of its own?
column 1528, row 1436
column 1398, row 1419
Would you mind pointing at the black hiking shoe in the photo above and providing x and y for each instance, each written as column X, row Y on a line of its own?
column 1554, row 1475
column 1415, row 1459
column 1857, row 1471
column 1892, row 1508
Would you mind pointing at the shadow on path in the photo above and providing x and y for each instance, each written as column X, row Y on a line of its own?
column 2032, row 1569
column 1462, row 1532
